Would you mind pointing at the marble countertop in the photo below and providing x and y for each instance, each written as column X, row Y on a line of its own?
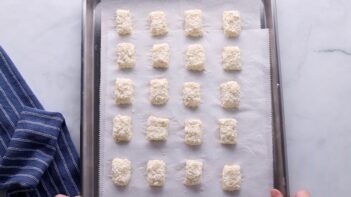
column 315, row 50
column 43, row 39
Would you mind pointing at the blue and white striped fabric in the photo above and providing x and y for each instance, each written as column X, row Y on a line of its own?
column 38, row 157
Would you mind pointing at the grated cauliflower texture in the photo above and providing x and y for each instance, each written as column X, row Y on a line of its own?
column 193, row 23
column 191, row 94
column 227, row 131
column 122, row 128
column 195, row 57
column 160, row 55
column 123, row 91
column 231, row 178
column 231, row 58
column 193, row 132
column 156, row 173
column 231, row 23
column 157, row 128
column 193, row 172
column 158, row 23
column 230, row 95
column 159, row 91
column 121, row 171
column 123, row 22
column 125, row 55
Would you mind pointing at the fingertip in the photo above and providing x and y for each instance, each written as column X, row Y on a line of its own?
column 302, row 193
column 276, row 193
column 60, row 195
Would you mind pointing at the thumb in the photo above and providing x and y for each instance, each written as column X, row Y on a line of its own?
column 302, row 193
column 276, row 193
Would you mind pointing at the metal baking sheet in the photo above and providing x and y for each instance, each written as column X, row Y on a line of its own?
column 90, row 95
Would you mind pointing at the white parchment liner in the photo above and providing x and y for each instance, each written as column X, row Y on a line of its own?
column 254, row 149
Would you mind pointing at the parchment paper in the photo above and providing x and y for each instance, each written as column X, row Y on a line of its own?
column 254, row 149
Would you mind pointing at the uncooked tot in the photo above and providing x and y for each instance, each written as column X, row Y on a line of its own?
column 156, row 173
column 231, row 23
column 122, row 128
column 231, row 178
column 230, row 95
column 158, row 23
column 227, row 131
column 191, row 94
column 195, row 57
column 193, row 172
column 193, row 23
column 157, row 128
column 123, row 91
column 123, row 22
column 160, row 55
column 121, row 171
column 125, row 55
column 193, row 132
column 159, row 91
column 231, row 58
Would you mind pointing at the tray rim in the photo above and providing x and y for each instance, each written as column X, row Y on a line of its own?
column 90, row 79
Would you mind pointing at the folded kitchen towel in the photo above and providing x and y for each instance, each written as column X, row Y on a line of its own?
column 37, row 155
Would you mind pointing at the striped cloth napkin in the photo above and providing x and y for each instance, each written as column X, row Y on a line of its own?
column 38, row 157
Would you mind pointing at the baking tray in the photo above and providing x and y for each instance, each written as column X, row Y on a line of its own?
column 90, row 98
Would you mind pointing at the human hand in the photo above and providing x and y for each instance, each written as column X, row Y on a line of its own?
column 277, row 193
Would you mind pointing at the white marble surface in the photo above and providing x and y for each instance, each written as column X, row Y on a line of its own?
column 315, row 48
column 43, row 39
